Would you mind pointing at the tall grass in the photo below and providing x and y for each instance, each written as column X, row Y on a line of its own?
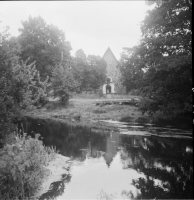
column 22, row 166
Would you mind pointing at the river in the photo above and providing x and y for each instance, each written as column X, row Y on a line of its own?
column 135, row 161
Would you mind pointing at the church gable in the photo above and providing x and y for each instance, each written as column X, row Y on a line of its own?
column 114, row 86
column 112, row 63
column 109, row 57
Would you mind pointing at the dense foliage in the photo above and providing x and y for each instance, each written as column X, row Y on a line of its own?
column 20, row 86
column 22, row 165
column 7, row 106
column 44, row 44
column 64, row 84
column 131, row 68
column 29, row 89
column 89, row 71
column 161, row 65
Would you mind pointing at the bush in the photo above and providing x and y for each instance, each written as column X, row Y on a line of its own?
column 22, row 166
column 149, row 106
column 29, row 90
column 63, row 83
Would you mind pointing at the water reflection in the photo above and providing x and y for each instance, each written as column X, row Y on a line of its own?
column 160, row 159
column 127, row 165
column 56, row 188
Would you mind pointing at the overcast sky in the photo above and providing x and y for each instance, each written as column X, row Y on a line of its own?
column 90, row 25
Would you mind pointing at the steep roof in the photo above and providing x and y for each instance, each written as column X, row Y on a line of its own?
column 109, row 52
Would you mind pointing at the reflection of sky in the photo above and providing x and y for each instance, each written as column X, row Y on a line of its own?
column 93, row 176
column 189, row 150
column 167, row 168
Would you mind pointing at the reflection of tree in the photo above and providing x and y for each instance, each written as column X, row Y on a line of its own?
column 149, row 190
column 160, row 159
column 68, row 139
column 56, row 188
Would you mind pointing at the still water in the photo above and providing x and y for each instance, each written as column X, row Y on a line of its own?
column 135, row 161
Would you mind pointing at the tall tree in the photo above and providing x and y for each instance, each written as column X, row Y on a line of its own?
column 20, row 84
column 79, row 66
column 80, row 55
column 90, row 72
column 96, row 72
column 131, row 68
column 63, row 83
column 7, row 106
column 44, row 44
column 166, row 52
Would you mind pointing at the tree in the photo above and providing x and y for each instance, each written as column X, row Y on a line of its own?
column 79, row 65
column 28, row 89
column 165, row 50
column 44, row 44
column 63, row 83
column 20, row 84
column 96, row 74
column 90, row 72
column 80, row 55
column 131, row 68
column 7, row 107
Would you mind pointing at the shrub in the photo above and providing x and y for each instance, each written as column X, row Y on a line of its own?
column 22, row 166
column 29, row 90
column 63, row 83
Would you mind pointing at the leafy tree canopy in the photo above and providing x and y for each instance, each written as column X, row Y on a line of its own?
column 90, row 71
column 96, row 71
column 20, row 84
column 80, row 55
column 44, row 44
column 63, row 83
column 165, row 55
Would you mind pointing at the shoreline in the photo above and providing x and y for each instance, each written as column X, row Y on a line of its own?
column 93, row 116
column 56, row 168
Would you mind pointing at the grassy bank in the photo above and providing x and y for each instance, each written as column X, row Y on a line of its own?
column 85, row 110
column 23, row 162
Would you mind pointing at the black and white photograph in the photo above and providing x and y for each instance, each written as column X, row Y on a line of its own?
column 96, row 100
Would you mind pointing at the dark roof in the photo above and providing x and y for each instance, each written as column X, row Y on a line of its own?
column 109, row 51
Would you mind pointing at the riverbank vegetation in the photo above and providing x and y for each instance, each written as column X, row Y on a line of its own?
column 22, row 165
column 160, row 67
column 91, row 110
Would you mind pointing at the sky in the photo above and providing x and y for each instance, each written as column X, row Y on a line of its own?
column 92, row 26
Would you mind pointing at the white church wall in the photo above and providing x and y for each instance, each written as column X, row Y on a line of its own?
column 104, row 89
column 112, row 88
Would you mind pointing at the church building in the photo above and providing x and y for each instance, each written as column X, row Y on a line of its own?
column 113, row 83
